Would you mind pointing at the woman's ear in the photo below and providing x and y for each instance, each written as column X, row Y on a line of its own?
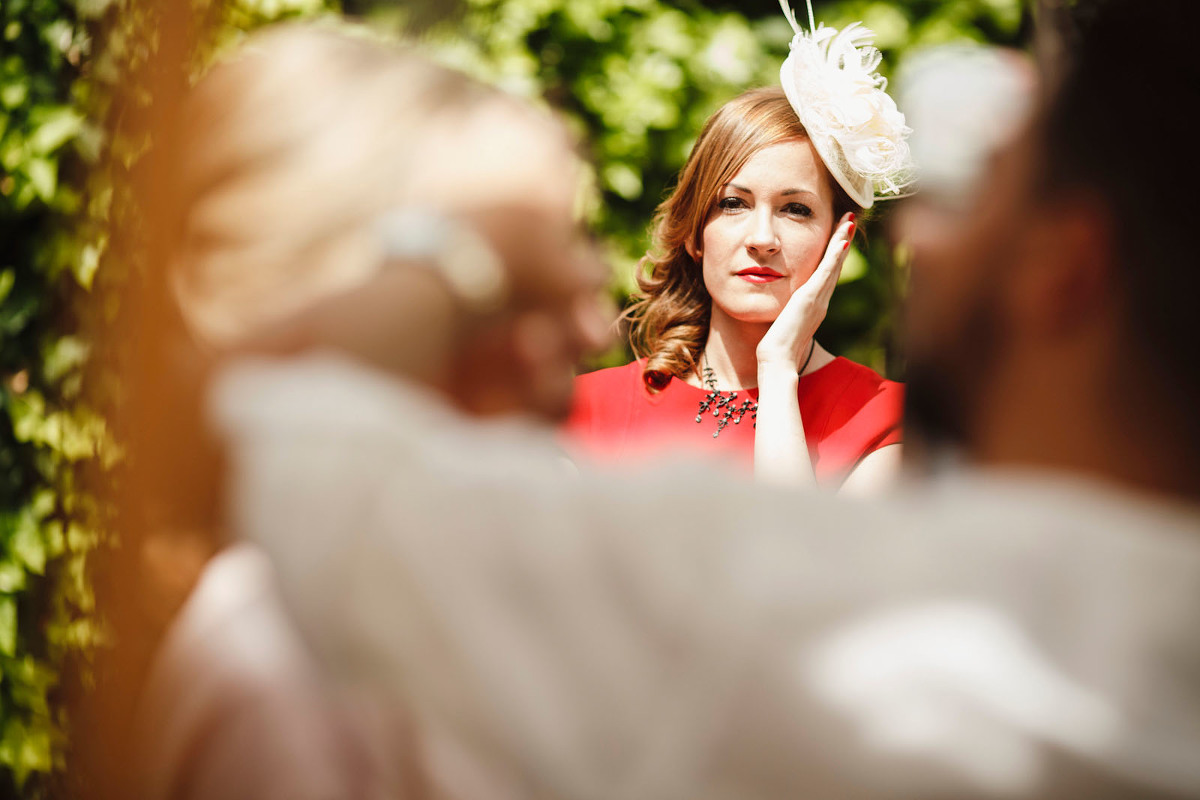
column 695, row 252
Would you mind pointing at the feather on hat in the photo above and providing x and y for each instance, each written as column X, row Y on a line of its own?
column 830, row 79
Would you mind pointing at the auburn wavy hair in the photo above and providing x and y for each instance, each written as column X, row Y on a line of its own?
column 670, row 314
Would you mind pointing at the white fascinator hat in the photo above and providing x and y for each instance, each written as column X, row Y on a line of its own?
column 830, row 79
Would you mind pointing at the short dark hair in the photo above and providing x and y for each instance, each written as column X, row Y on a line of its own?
column 1115, row 128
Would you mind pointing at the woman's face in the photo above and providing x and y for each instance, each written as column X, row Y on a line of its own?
column 767, row 232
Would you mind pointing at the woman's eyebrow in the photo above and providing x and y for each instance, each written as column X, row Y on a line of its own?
column 784, row 193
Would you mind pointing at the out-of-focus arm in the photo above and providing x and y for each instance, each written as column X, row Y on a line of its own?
column 681, row 635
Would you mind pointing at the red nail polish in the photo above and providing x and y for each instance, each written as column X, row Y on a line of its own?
column 850, row 232
column 853, row 216
column 845, row 246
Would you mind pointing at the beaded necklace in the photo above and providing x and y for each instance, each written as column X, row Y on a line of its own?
column 724, row 405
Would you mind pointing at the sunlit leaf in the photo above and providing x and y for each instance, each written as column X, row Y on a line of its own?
column 8, row 625
column 12, row 577
column 43, row 176
column 54, row 128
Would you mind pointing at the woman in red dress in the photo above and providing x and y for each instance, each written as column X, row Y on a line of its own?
column 748, row 249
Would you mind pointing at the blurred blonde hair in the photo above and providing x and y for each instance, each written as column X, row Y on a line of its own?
column 670, row 315
column 291, row 151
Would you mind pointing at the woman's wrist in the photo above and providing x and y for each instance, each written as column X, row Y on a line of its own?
column 777, row 372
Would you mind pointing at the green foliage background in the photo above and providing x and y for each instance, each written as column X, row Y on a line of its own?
column 48, row 526
column 65, row 154
column 637, row 78
column 640, row 77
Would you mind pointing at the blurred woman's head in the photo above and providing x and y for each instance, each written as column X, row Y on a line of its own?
column 288, row 153
column 292, row 152
column 753, row 157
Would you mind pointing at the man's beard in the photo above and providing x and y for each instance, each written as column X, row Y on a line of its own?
column 945, row 386
column 935, row 422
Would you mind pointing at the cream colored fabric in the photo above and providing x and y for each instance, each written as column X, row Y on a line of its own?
column 685, row 635
column 234, row 707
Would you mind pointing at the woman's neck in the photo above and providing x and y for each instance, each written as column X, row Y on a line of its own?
column 731, row 350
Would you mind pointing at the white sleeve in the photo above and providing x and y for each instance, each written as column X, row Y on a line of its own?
column 679, row 636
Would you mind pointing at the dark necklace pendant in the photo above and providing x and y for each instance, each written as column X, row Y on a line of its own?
column 724, row 405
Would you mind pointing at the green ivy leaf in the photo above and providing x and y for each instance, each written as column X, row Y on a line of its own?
column 12, row 577
column 28, row 415
column 27, row 545
column 86, row 265
column 54, row 128
column 26, row 749
column 8, row 625
column 14, row 93
column 7, row 278
column 55, row 539
column 42, row 503
column 62, row 356
column 43, row 176
column 17, row 312
column 32, row 681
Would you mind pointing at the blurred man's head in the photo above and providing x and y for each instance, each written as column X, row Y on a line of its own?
column 1055, row 326
column 294, row 151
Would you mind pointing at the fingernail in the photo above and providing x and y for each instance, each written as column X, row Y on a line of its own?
column 853, row 216
column 845, row 246
column 851, row 230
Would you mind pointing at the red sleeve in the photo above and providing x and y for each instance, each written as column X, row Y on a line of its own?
column 579, row 421
column 881, row 417
column 600, row 411
column 863, row 415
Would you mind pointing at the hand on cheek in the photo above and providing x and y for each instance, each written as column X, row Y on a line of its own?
column 789, row 339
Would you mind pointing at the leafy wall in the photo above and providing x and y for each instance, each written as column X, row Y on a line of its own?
column 48, row 526
column 67, row 93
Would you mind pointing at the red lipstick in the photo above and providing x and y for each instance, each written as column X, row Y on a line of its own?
column 759, row 275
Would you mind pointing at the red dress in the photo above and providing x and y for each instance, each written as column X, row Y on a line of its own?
column 848, row 411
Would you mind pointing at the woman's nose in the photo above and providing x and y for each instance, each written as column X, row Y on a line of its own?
column 762, row 236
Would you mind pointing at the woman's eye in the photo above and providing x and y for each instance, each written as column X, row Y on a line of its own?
column 731, row 203
column 799, row 209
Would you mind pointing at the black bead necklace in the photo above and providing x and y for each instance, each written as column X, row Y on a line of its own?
column 724, row 405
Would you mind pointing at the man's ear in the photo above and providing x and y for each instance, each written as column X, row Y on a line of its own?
column 1066, row 280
